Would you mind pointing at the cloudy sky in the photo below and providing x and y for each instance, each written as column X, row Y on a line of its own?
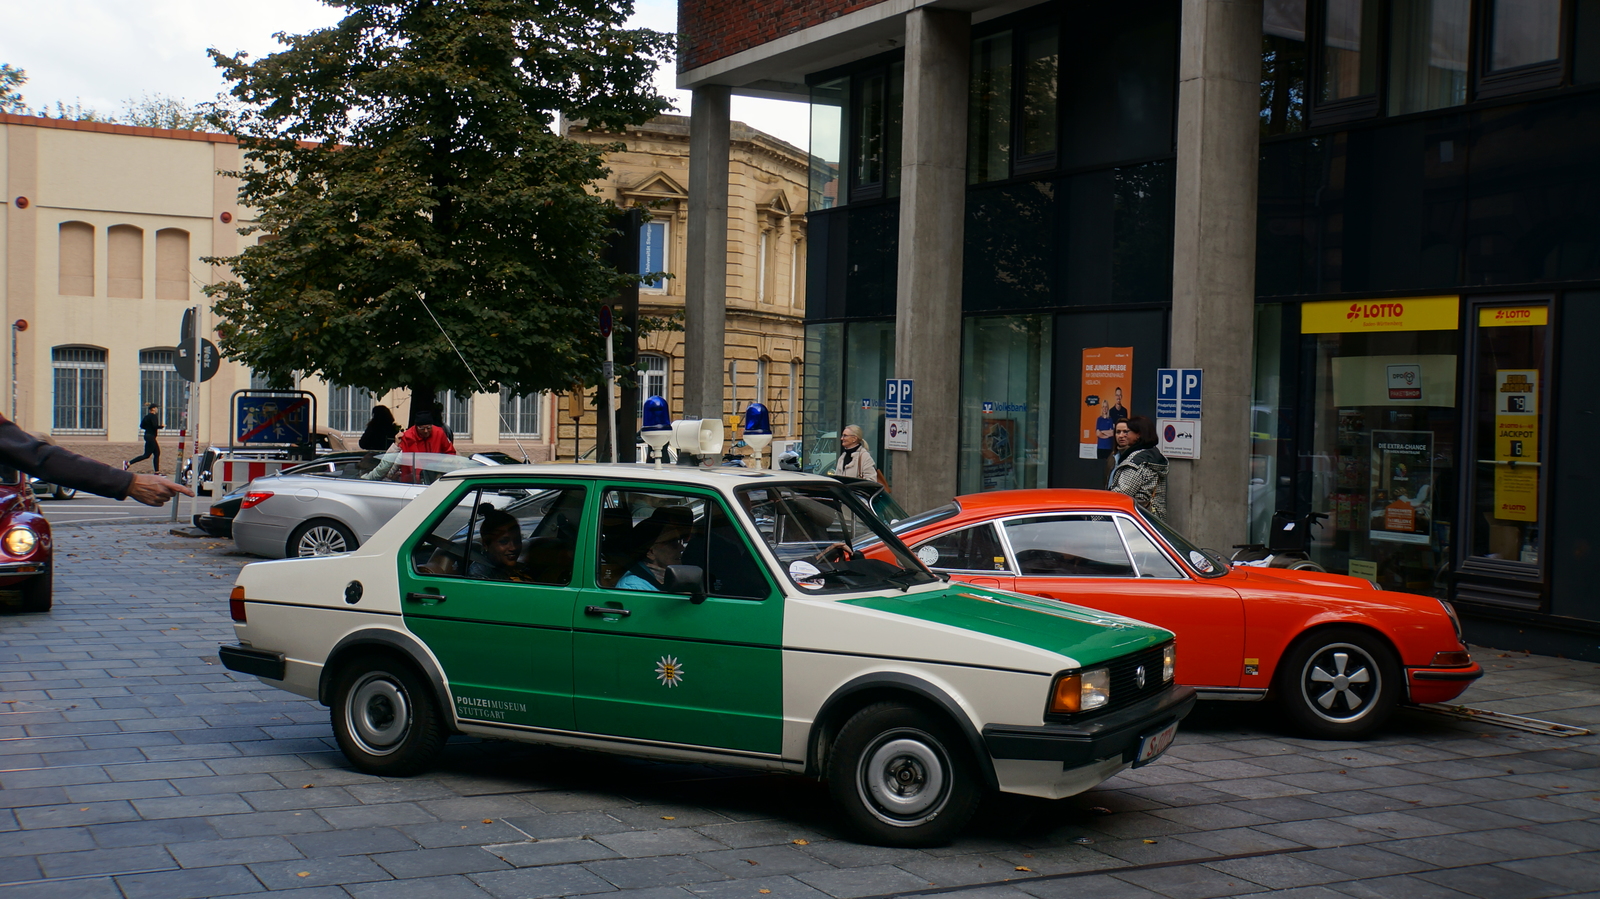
column 103, row 52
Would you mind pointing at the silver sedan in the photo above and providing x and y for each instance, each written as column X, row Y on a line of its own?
column 326, row 512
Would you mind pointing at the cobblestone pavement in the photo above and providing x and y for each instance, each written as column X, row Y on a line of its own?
column 134, row 765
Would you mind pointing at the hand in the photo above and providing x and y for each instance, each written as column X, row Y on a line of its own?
column 154, row 490
column 839, row 552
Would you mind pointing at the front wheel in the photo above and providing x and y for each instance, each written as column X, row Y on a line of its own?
column 1339, row 684
column 385, row 718
column 902, row 777
column 321, row 537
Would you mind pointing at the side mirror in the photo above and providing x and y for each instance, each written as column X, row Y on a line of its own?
column 690, row 579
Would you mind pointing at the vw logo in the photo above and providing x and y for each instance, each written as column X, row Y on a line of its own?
column 1138, row 676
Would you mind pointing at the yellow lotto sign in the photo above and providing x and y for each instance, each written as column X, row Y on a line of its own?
column 1512, row 316
column 1368, row 316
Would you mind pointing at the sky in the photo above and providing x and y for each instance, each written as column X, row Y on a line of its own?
column 103, row 52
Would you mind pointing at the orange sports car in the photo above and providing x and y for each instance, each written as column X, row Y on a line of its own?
column 1337, row 653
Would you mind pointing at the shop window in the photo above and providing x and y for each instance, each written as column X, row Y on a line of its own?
column 349, row 408
column 76, row 276
column 1118, row 82
column 125, row 261
column 80, row 389
column 1427, row 54
column 172, row 264
column 1586, row 42
column 519, row 415
column 1005, row 403
column 1283, row 66
column 1010, row 260
column 159, row 384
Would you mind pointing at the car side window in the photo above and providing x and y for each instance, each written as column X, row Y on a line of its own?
column 970, row 549
column 515, row 533
column 1149, row 560
column 1069, row 546
column 643, row 532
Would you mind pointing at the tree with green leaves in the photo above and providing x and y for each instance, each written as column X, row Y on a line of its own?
column 11, row 81
column 421, row 208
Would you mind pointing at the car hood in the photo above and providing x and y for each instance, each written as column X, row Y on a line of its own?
column 1082, row 635
column 1292, row 579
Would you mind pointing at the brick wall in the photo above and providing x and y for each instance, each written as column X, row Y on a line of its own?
column 709, row 30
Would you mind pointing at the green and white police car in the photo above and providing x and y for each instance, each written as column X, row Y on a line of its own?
column 723, row 616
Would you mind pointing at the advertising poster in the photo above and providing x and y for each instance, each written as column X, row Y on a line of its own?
column 999, row 452
column 1107, row 388
column 1401, row 493
column 1516, row 445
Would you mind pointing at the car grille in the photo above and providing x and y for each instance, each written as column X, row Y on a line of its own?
column 1125, row 689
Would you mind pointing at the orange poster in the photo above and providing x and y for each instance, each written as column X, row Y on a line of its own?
column 1107, row 389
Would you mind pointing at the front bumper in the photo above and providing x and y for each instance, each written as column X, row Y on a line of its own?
column 16, row 569
column 1425, row 685
column 1113, row 734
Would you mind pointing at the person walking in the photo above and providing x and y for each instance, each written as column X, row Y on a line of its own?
column 855, row 461
column 381, row 430
column 1140, row 468
column 151, row 425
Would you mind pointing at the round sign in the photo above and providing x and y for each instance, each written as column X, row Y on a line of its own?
column 1200, row 562
column 928, row 554
column 806, row 574
column 1171, row 433
column 605, row 321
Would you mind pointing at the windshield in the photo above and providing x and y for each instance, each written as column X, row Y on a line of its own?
column 817, row 531
column 414, row 468
column 1204, row 563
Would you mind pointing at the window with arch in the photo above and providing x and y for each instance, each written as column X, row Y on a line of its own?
column 159, row 384
column 125, row 261
column 80, row 389
column 172, row 264
column 349, row 408
column 76, row 276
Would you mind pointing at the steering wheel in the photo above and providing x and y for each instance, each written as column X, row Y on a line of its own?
column 839, row 552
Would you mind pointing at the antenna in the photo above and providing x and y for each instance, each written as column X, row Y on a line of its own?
column 481, row 389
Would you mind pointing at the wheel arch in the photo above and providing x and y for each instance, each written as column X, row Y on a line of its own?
column 289, row 541
column 403, row 646
column 1313, row 628
column 897, row 686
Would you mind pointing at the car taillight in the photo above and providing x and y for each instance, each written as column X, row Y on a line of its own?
column 219, row 512
column 251, row 500
column 236, row 604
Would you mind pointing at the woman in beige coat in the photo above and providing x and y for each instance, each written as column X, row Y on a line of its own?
column 854, row 460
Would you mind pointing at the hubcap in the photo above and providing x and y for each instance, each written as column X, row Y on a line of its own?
column 322, row 541
column 1341, row 682
column 903, row 780
column 377, row 714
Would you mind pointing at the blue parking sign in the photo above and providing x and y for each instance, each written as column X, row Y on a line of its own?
column 1189, row 381
column 1166, row 393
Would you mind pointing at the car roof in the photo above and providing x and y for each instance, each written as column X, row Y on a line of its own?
column 1005, row 502
column 715, row 478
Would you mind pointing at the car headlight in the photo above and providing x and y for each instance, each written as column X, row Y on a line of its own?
column 1169, row 662
column 1081, row 692
column 20, row 541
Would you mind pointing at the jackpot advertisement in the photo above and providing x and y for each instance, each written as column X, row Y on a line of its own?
column 1107, row 388
column 1516, row 445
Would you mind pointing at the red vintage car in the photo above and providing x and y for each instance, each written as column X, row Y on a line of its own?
column 25, row 544
column 1337, row 653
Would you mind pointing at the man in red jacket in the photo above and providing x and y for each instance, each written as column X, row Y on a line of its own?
column 424, row 437
column 25, row 452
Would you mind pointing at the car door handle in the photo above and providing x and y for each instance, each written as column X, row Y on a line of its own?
column 605, row 610
column 431, row 599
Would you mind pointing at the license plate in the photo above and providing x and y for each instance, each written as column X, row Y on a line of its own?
column 1152, row 745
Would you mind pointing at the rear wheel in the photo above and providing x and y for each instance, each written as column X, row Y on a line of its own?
column 321, row 537
column 64, row 492
column 1339, row 683
column 37, row 592
column 385, row 718
column 902, row 776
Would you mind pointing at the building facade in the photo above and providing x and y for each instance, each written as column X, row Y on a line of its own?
column 1374, row 226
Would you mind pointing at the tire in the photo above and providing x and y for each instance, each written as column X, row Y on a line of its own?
column 1340, row 683
column 385, row 717
column 38, row 592
column 1307, row 565
column 64, row 493
column 902, row 777
column 320, row 537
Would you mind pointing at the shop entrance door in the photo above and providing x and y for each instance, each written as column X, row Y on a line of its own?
column 1506, row 504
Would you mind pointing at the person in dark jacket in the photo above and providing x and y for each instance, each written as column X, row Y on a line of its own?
column 1140, row 468
column 381, row 430
column 151, row 425
column 57, row 465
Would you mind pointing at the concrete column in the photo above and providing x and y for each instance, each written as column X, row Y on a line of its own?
column 1214, row 259
column 706, row 276
column 933, row 192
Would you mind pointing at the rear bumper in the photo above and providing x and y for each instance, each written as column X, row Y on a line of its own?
column 1424, row 685
column 254, row 662
column 1113, row 735
column 215, row 525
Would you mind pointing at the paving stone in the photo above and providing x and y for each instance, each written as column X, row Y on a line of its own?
column 744, row 834
column 1540, row 810
column 310, row 872
column 1097, row 886
column 568, row 824
column 1493, row 881
column 1278, row 872
column 192, row 806
column 105, row 861
column 75, row 815
column 242, row 851
column 452, row 887
column 769, row 861
column 1572, row 873
column 386, row 815
column 633, row 873
column 199, row 883
column 541, row 883
column 1238, row 840
column 264, row 823
column 752, row 888
column 474, row 833
column 868, row 881
column 1191, row 882
column 88, row 888
column 352, row 842
column 644, row 843
column 1400, row 885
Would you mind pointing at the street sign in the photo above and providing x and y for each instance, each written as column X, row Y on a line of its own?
column 186, row 330
column 897, row 413
column 1166, row 393
column 272, row 419
column 210, row 359
column 605, row 321
column 1189, row 380
column 1180, row 437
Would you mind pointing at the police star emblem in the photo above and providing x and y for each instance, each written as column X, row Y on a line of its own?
column 669, row 671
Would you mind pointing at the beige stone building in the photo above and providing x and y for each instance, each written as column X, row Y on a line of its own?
column 766, row 267
column 104, row 226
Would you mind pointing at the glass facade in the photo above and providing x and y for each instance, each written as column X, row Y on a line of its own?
column 1427, row 54
column 1005, row 403
column 868, row 362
